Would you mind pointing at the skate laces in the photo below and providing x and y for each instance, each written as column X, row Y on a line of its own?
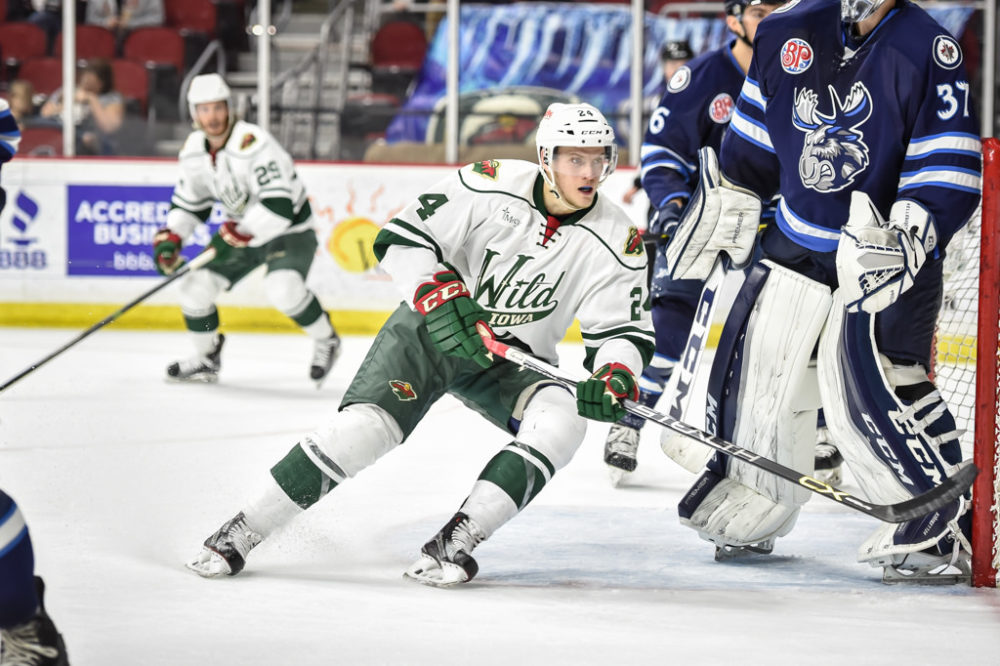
column 21, row 645
column 238, row 535
column 465, row 536
column 324, row 350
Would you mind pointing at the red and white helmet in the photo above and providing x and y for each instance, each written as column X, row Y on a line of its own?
column 574, row 125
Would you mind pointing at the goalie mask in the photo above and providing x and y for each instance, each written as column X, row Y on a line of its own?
column 207, row 88
column 574, row 126
column 855, row 11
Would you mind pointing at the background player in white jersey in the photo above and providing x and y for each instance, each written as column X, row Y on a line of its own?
column 693, row 112
column 269, row 222
column 27, row 634
column 858, row 111
column 517, row 250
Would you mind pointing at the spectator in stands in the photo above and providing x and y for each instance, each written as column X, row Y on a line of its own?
column 121, row 16
column 47, row 15
column 22, row 101
column 98, row 111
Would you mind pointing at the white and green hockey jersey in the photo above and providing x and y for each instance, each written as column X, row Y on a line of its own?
column 532, row 273
column 251, row 176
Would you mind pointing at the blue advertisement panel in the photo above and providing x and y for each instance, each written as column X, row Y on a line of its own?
column 111, row 228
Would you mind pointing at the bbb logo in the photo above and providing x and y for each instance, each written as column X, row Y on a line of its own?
column 22, row 256
column 796, row 56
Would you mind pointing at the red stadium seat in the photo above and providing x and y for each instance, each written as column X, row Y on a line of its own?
column 163, row 46
column 18, row 42
column 40, row 142
column 45, row 74
column 194, row 15
column 399, row 45
column 92, row 41
column 132, row 81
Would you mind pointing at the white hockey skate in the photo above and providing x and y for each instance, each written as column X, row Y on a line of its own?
column 924, row 568
column 620, row 452
column 36, row 642
column 725, row 553
column 225, row 552
column 828, row 464
column 445, row 559
column 198, row 368
column 325, row 352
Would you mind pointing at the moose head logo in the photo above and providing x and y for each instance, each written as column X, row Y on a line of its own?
column 834, row 151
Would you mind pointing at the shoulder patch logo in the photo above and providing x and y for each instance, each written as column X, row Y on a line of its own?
column 633, row 244
column 947, row 53
column 487, row 168
column 721, row 109
column 680, row 80
column 796, row 56
column 247, row 141
column 403, row 390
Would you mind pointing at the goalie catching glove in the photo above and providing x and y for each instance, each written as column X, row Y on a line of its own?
column 454, row 320
column 600, row 397
column 878, row 260
column 167, row 251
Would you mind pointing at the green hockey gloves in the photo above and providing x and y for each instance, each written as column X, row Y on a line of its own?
column 452, row 317
column 167, row 251
column 600, row 397
column 227, row 238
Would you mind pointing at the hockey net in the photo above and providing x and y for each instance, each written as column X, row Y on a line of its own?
column 967, row 364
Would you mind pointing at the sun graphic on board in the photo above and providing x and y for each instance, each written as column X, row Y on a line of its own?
column 351, row 242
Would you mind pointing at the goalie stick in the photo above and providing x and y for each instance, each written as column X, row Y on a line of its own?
column 195, row 263
column 947, row 491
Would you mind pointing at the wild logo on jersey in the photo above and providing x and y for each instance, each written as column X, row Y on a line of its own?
column 518, row 297
column 834, row 151
column 633, row 244
column 487, row 168
column 403, row 390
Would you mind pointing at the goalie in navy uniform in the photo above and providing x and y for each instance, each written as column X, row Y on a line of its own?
column 507, row 248
column 858, row 112
column 269, row 223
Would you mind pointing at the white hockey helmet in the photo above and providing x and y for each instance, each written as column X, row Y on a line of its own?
column 855, row 11
column 574, row 125
column 207, row 88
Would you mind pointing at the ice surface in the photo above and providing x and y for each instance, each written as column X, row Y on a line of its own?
column 121, row 476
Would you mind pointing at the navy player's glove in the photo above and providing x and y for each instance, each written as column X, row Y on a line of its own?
column 600, row 397
column 454, row 320
column 664, row 223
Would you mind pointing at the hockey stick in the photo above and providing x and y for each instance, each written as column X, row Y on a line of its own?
column 940, row 495
column 195, row 263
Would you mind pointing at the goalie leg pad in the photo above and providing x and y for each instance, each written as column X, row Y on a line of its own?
column 763, row 397
column 689, row 371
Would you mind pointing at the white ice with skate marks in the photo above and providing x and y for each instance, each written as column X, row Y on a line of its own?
column 121, row 476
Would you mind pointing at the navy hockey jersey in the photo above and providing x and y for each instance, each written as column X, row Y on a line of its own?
column 695, row 111
column 820, row 116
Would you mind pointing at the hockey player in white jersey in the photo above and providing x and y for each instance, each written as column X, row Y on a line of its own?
column 510, row 249
column 269, row 222
column 858, row 111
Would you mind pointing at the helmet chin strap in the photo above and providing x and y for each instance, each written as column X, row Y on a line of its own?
column 742, row 37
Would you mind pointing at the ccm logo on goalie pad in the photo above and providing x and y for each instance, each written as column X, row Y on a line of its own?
column 689, row 359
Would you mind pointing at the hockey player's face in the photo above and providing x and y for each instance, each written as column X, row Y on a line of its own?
column 752, row 17
column 213, row 117
column 578, row 172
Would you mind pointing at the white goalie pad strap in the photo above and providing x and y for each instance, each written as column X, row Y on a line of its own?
column 733, row 515
column 684, row 393
column 777, row 397
column 720, row 217
column 878, row 260
column 885, row 447
column 891, row 541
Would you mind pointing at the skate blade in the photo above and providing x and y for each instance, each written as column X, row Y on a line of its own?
column 194, row 379
column 428, row 571
column 617, row 476
column 209, row 564
column 727, row 553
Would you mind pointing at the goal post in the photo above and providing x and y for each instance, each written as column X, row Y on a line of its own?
column 986, row 493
